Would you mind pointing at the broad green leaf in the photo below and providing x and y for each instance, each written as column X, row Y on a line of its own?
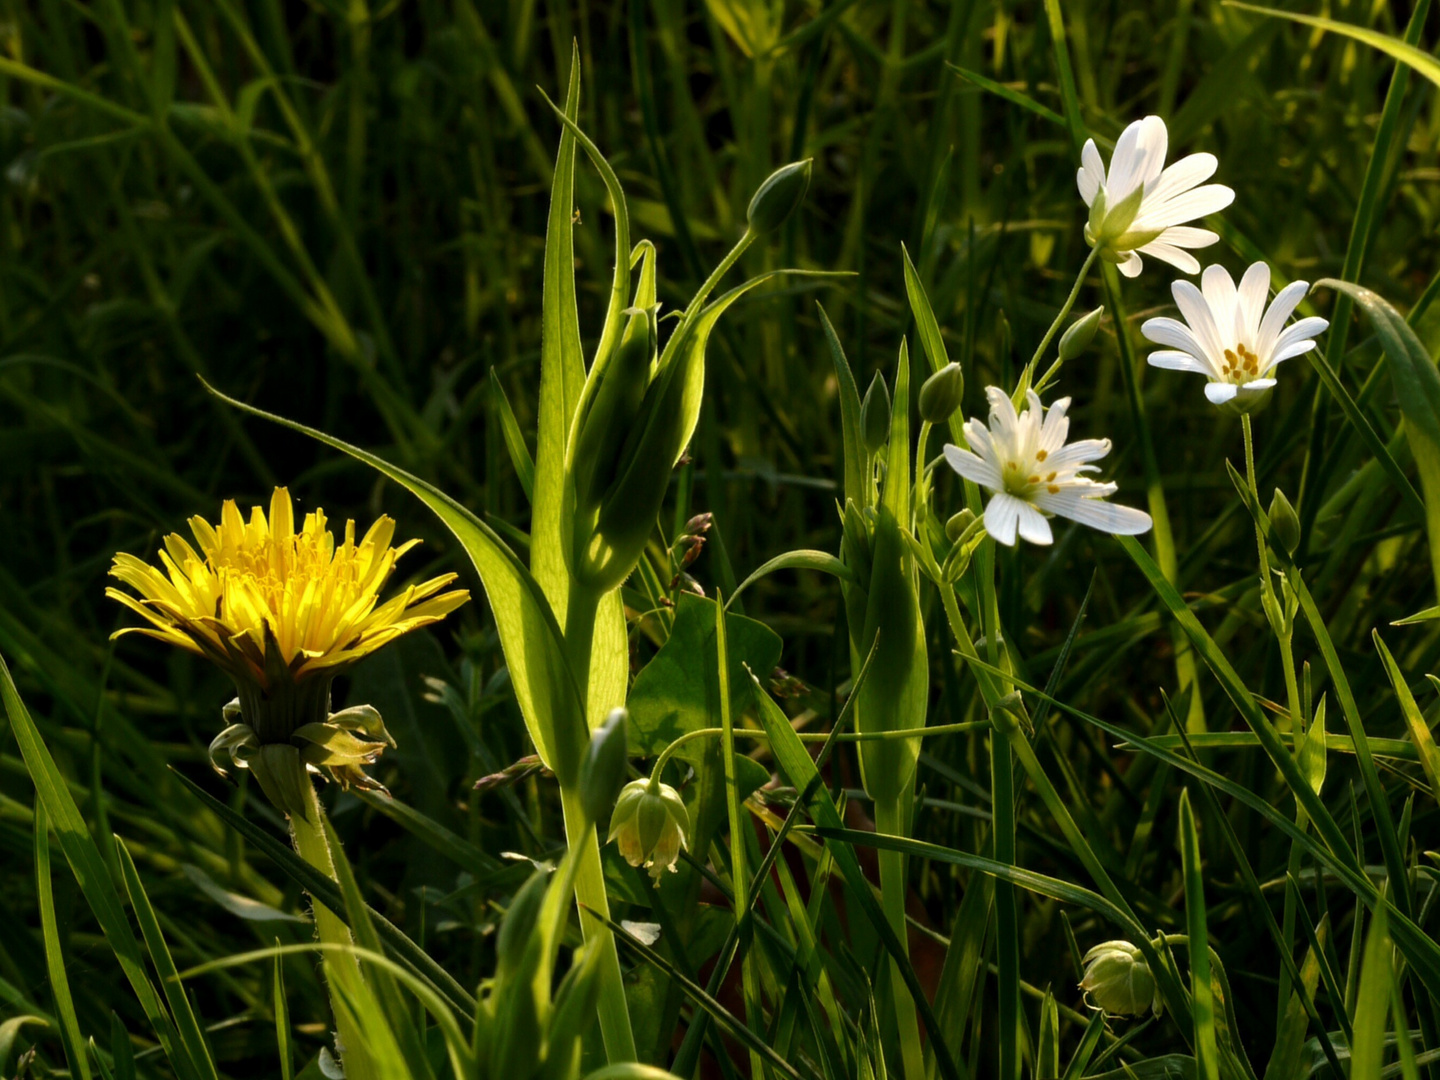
column 679, row 689
column 534, row 646
column 86, row 863
column 562, row 367
column 1417, row 388
column 54, row 953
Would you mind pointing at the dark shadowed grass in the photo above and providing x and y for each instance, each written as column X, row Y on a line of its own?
column 339, row 215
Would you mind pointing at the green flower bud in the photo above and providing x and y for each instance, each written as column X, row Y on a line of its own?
column 603, row 770
column 519, row 922
column 1284, row 522
column 649, row 825
column 958, row 523
column 596, row 459
column 1118, row 981
column 875, row 415
column 778, row 197
column 1079, row 334
column 940, row 394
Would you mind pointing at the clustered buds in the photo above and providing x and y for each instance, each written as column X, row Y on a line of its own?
column 649, row 825
column 1118, row 981
column 688, row 546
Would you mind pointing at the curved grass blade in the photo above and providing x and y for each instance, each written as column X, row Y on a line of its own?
column 54, row 955
column 1202, row 1000
column 514, row 439
column 798, row 560
column 534, row 647
column 326, row 892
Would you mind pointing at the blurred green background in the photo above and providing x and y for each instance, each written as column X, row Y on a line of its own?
column 335, row 210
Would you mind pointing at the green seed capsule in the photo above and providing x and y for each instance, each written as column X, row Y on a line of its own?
column 778, row 197
column 1080, row 334
column 941, row 393
column 1284, row 522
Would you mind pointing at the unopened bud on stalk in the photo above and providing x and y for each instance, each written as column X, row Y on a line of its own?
column 777, row 198
column 941, row 393
column 1284, row 522
column 875, row 415
column 603, row 770
column 958, row 523
column 1118, row 981
column 649, row 825
column 1080, row 334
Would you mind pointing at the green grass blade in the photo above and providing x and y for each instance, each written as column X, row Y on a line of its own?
column 192, row 1038
column 282, row 1022
column 54, row 954
column 1367, row 1052
column 1202, row 1001
column 514, row 439
column 1425, row 748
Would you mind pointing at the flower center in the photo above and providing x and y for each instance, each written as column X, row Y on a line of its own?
column 1241, row 365
column 1022, row 481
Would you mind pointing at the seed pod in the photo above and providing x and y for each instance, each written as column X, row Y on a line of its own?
column 603, row 771
column 941, row 393
column 778, row 197
column 875, row 415
column 1079, row 334
column 1118, row 981
column 1284, row 522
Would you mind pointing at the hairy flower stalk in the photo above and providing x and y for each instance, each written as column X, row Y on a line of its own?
column 283, row 611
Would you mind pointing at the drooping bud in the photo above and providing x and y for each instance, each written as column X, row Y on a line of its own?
column 778, row 197
column 958, row 523
column 1284, row 522
column 1080, row 334
column 875, row 415
column 649, row 825
column 603, row 770
column 1118, row 981
column 941, row 393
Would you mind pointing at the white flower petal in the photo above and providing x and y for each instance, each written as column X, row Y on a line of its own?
column 973, row 468
column 1033, row 526
column 1187, row 236
column 1125, row 163
column 1220, row 392
column 1056, row 427
column 1298, row 348
column 1185, row 174
column 1219, row 289
column 1131, row 265
column 1179, row 361
column 1180, row 259
column 1197, row 313
column 1281, row 308
column 1175, row 334
column 1002, row 518
column 1078, row 453
column 1210, row 199
column 1091, row 176
column 1254, row 289
column 1256, row 385
column 1107, row 517
column 1300, row 331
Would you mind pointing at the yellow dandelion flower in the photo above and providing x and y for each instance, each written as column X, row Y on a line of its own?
column 262, row 579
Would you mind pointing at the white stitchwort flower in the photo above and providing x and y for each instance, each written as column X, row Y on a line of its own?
column 1231, row 338
column 1140, row 207
column 1024, row 459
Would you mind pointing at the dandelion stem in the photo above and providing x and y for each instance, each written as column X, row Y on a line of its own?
column 342, row 970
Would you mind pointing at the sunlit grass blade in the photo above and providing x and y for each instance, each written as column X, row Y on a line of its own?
column 1207, row 1054
column 1367, row 1052
column 54, row 952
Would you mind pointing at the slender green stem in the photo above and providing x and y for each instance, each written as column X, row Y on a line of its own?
column 698, row 300
column 890, row 819
column 590, row 893
column 1054, row 369
column 921, row 474
column 342, row 970
column 614, row 1014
